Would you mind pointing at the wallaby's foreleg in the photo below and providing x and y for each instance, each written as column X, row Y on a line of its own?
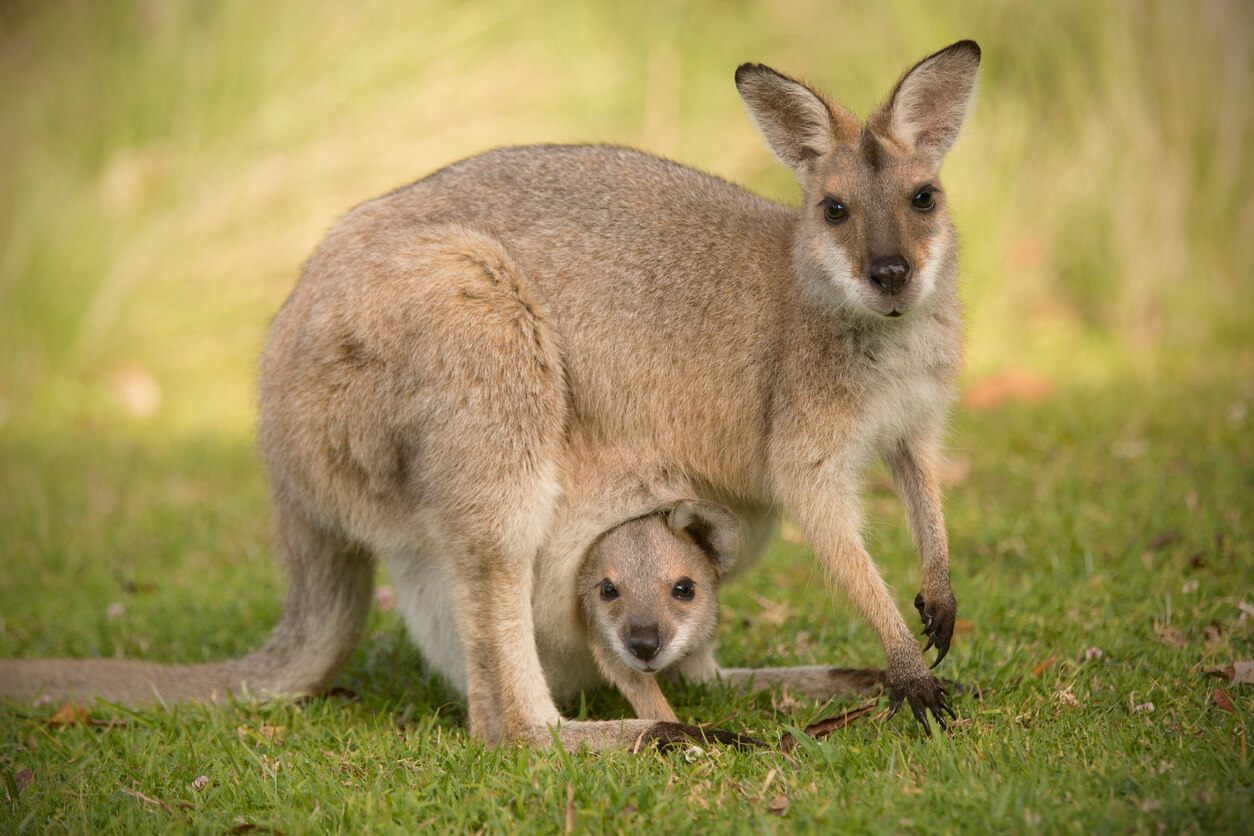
column 828, row 514
column 914, row 468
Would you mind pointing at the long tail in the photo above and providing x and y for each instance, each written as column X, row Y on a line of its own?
column 324, row 615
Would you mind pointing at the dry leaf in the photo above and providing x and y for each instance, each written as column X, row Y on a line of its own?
column 824, row 727
column 1229, row 672
column 1213, row 634
column 1064, row 696
column 1168, row 635
column 68, row 714
column 1041, row 668
column 1243, row 673
column 778, row 805
column 1221, row 700
column 22, row 779
column 774, row 613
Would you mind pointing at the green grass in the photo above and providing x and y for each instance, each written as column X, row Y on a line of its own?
column 168, row 166
column 1125, row 530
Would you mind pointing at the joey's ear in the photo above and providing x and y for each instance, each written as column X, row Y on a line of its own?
column 714, row 527
column 797, row 122
column 927, row 107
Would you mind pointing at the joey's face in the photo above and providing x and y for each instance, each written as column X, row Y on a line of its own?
column 649, row 626
column 649, row 600
column 878, row 229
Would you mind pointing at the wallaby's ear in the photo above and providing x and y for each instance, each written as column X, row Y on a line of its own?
column 713, row 526
column 797, row 122
column 927, row 107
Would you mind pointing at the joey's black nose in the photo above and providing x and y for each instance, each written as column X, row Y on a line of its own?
column 643, row 642
column 890, row 273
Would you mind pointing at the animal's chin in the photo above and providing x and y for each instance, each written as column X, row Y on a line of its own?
column 890, row 307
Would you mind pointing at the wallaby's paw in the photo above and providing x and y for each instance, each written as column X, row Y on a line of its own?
column 669, row 735
column 924, row 695
column 938, row 623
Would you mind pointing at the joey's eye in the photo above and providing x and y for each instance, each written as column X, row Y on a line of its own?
column 608, row 591
column 924, row 200
column 684, row 589
column 835, row 212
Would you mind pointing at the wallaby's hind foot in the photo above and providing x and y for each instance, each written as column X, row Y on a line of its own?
column 634, row 735
column 818, row 682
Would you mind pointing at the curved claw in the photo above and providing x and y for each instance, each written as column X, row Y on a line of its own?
column 938, row 626
column 894, row 704
column 920, row 714
column 925, row 696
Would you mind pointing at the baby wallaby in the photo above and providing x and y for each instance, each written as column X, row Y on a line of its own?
column 648, row 596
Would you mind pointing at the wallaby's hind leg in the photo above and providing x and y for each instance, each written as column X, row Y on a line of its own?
column 328, row 600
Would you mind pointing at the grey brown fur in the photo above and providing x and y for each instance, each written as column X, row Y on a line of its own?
column 480, row 373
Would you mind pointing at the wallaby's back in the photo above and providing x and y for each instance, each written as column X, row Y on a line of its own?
column 607, row 242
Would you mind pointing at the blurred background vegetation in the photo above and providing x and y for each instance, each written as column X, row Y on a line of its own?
column 167, row 166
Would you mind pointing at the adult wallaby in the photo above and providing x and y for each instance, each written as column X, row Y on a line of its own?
column 481, row 372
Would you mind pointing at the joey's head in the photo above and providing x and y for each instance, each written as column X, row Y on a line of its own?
column 648, row 589
column 874, row 236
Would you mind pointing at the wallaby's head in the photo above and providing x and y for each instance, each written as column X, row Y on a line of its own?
column 874, row 235
column 648, row 588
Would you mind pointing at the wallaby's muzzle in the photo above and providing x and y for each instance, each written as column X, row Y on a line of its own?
column 890, row 273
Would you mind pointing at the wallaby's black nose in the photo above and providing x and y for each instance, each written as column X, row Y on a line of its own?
column 643, row 642
column 890, row 273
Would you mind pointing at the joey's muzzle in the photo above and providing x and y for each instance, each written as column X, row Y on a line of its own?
column 890, row 273
column 644, row 642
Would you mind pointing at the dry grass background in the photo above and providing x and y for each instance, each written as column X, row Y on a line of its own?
column 169, row 165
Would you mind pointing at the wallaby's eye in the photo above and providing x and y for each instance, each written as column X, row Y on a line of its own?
column 924, row 200
column 684, row 589
column 608, row 591
column 835, row 212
